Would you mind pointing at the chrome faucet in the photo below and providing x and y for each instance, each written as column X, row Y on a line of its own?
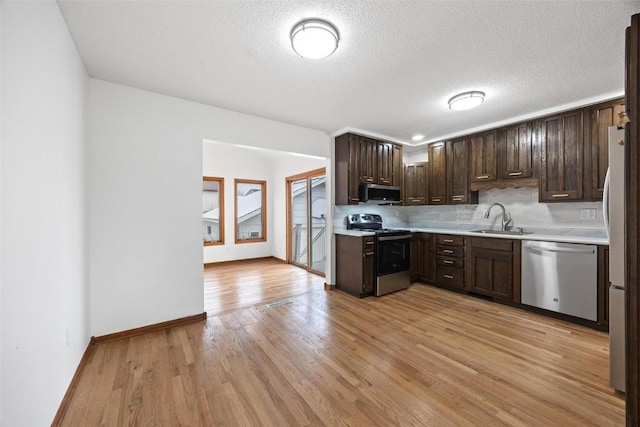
column 506, row 217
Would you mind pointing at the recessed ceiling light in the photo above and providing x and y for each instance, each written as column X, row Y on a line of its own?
column 466, row 100
column 417, row 137
column 314, row 38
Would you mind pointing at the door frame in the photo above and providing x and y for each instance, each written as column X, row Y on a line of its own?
column 288, row 181
column 632, row 224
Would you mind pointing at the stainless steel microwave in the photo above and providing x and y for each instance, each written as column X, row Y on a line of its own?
column 379, row 193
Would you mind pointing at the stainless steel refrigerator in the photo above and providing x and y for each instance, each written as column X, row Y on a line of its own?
column 613, row 207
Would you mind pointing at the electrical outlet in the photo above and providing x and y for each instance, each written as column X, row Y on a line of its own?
column 588, row 214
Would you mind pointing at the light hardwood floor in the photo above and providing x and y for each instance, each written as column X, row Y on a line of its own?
column 419, row 357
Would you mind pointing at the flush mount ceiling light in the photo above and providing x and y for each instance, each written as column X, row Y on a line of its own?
column 314, row 38
column 417, row 137
column 466, row 100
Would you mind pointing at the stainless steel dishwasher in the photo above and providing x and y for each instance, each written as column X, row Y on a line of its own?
column 561, row 277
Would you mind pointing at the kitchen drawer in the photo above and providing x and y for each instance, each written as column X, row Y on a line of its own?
column 368, row 243
column 450, row 276
column 492, row 243
column 450, row 251
column 450, row 261
column 445, row 239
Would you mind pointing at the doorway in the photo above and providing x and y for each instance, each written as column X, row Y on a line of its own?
column 306, row 220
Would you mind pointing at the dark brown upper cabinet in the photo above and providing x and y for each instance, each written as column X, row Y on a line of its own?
column 362, row 160
column 437, row 174
column 602, row 116
column 457, row 173
column 385, row 163
column 415, row 184
column 517, row 146
column 484, row 155
column 397, row 169
column 561, row 157
column 368, row 160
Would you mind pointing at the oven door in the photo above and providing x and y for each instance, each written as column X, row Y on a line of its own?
column 392, row 254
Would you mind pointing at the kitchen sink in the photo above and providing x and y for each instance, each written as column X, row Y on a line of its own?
column 508, row 232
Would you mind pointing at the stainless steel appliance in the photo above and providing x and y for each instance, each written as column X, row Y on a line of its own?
column 613, row 210
column 384, row 194
column 561, row 277
column 392, row 252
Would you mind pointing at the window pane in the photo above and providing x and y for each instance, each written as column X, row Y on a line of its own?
column 212, row 210
column 250, row 212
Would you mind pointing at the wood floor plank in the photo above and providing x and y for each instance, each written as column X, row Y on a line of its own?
column 419, row 357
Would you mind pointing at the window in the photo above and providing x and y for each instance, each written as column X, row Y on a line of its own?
column 251, row 207
column 212, row 211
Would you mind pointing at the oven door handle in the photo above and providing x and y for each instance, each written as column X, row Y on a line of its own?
column 402, row 237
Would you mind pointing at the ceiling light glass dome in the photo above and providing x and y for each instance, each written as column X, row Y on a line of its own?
column 314, row 38
column 466, row 100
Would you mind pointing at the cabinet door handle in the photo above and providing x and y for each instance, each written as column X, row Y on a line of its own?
column 369, row 243
column 447, row 251
column 457, row 198
column 369, row 180
column 367, row 254
column 448, row 276
column 447, row 240
column 435, row 199
column 515, row 173
column 558, row 196
column 446, row 261
column 482, row 177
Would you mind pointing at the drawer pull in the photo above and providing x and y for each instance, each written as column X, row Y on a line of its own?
column 369, row 180
column 435, row 199
column 447, row 240
column 369, row 243
column 457, row 198
column 447, row 251
column 448, row 276
column 515, row 173
column 367, row 254
column 416, row 200
column 482, row 177
column 558, row 196
column 446, row 261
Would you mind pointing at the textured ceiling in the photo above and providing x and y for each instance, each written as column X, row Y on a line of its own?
column 397, row 64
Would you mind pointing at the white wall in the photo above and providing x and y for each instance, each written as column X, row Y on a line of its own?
column 145, row 159
column 44, row 306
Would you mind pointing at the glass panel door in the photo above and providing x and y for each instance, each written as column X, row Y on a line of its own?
column 317, row 235
column 299, row 222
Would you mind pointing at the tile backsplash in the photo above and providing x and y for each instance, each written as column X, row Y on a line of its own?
column 521, row 203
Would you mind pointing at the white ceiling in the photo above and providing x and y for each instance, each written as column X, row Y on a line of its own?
column 397, row 64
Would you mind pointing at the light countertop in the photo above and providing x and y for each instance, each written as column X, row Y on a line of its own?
column 567, row 235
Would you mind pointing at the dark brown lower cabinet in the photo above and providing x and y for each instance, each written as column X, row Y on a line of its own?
column 450, row 261
column 603, row 285
column 423, row 257
column 493, row 268
column 355, row 269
